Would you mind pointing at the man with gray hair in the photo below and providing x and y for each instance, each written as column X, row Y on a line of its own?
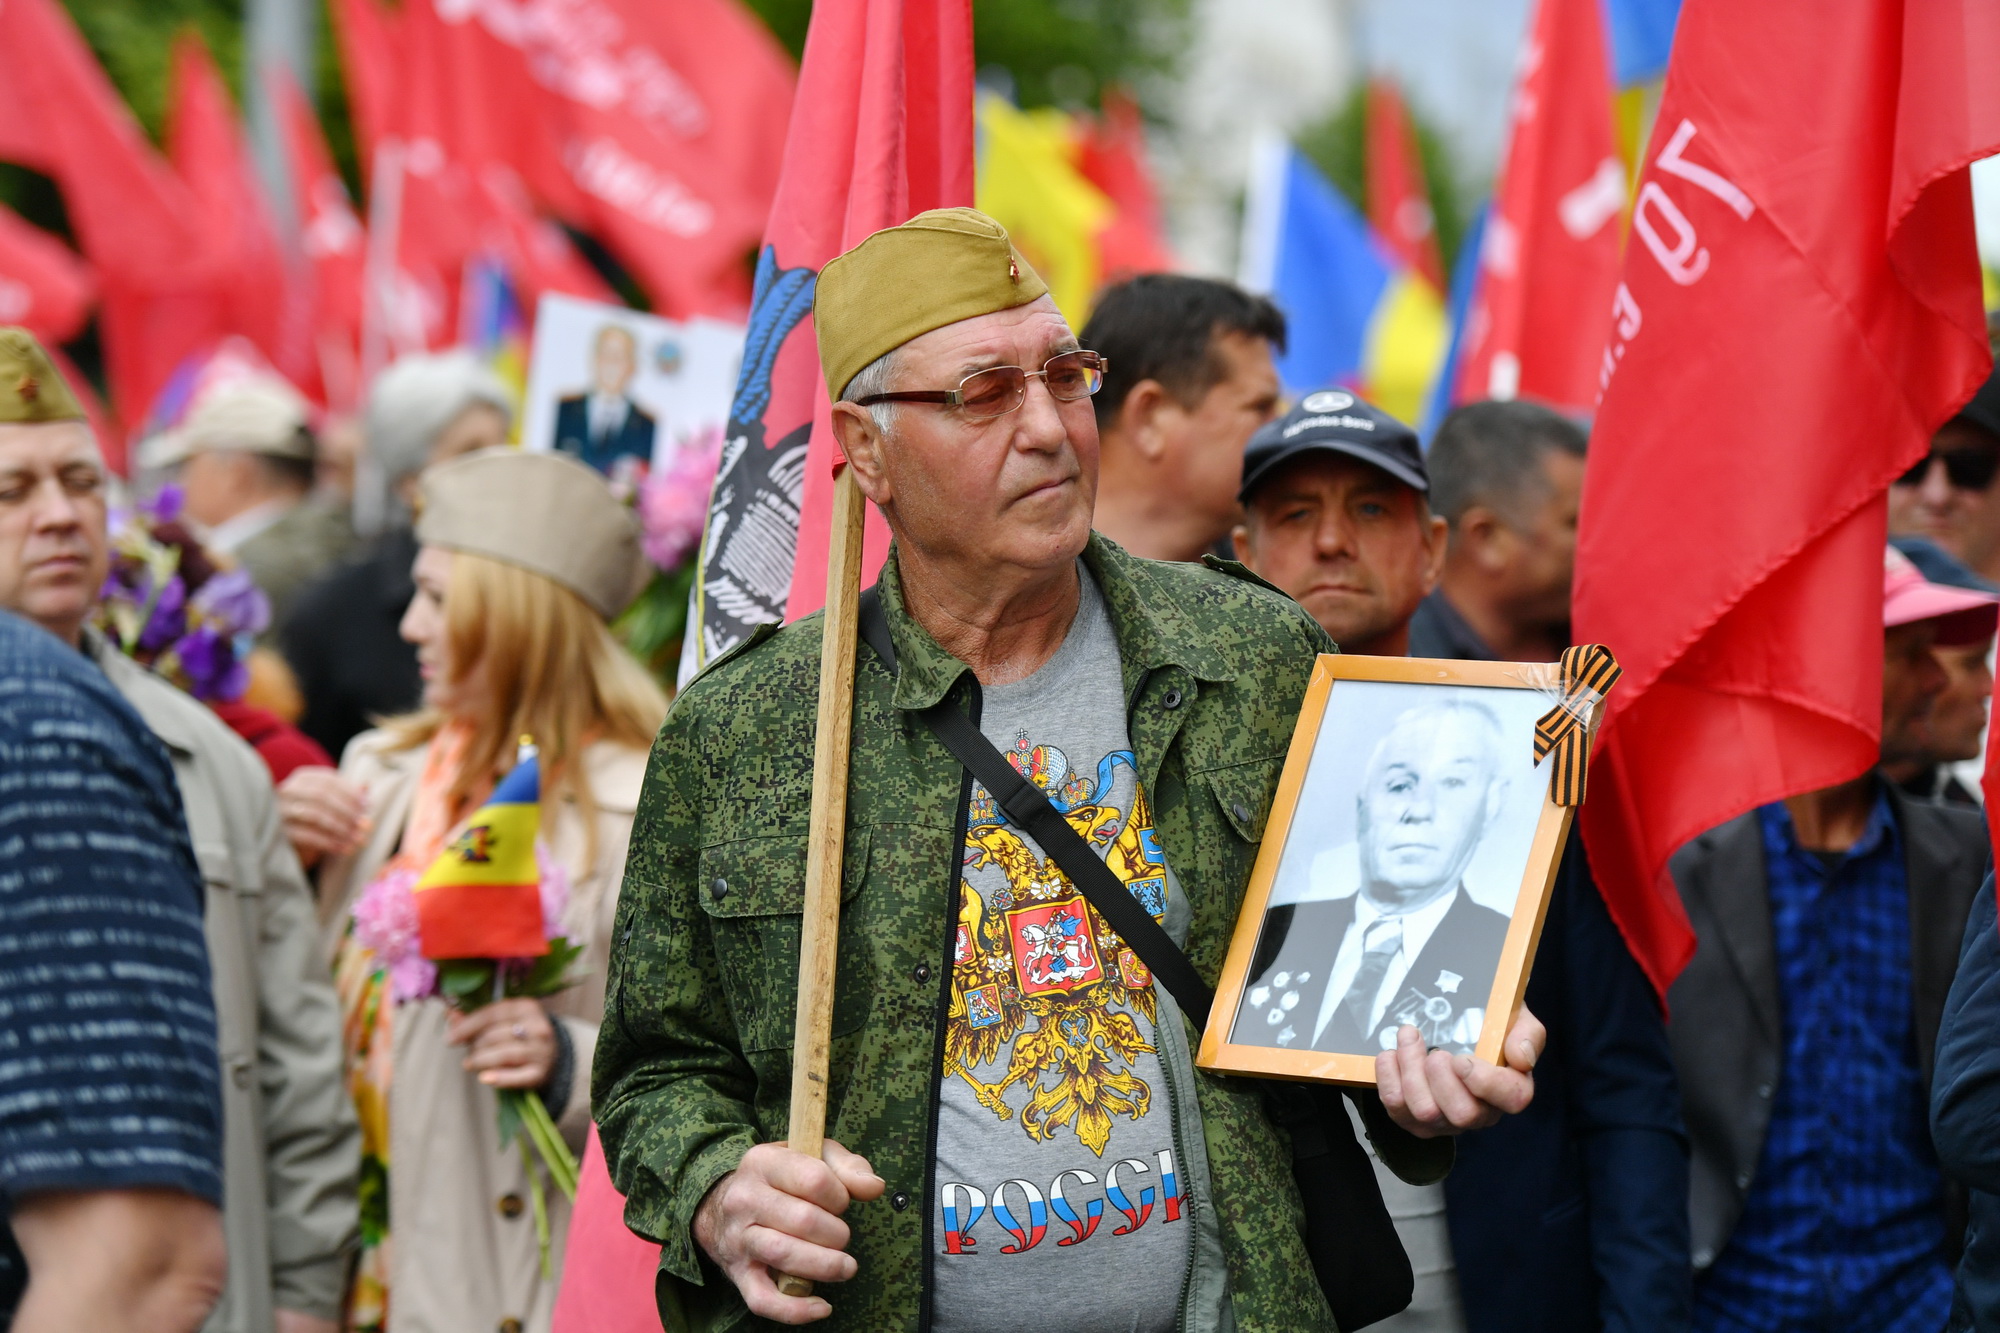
column 992, row 1035
column 341, row 640
column 1385, row 933
column 1507, row 477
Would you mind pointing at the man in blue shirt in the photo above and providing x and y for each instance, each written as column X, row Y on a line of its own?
column 110, row 1098
column 1828, row 928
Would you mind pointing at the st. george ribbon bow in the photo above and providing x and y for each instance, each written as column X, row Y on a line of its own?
column 1588, row 673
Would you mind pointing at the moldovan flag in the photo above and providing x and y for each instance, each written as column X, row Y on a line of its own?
column 1800, row 310
column 482, row 897
column 881, row 130
column 1550, row 256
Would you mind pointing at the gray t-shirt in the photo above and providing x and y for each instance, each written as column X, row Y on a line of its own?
column 1064, row 1192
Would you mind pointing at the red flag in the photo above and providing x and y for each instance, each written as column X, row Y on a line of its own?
column 1112, row 156
column 209, row 153
column 600, row 108
column 1535, row 328
column 161, row 277
column 332, row 242
column 883, row 131
column 367, row 35
column 886, row 89
column 1800, row 310
column 45, row 286
column 1399, row 209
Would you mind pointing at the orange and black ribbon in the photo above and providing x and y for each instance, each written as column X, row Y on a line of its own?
column 1588, row 673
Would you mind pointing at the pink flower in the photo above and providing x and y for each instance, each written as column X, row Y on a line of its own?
column 673, row 500
column 385, row 923
column 555, row 890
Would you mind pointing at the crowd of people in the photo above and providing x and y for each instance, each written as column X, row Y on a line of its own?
column 1120, row 549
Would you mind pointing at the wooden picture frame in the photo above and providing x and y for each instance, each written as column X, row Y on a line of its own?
column 1480, row 813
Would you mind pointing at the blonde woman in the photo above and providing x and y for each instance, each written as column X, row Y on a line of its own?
column 523, row 558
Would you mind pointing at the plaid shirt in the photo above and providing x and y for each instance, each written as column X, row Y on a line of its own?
column 1844, row 1225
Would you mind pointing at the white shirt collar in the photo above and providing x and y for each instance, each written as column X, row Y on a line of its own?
column 231, row 533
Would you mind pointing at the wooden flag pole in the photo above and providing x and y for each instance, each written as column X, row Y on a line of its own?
column 819, row 935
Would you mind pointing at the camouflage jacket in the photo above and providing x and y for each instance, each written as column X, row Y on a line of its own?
column 693, row 1066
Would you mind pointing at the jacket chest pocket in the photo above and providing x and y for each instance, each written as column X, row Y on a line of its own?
column 229, row 924
column 752, row 891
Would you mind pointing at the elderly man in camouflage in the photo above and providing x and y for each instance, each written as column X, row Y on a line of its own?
column 1026, row 1139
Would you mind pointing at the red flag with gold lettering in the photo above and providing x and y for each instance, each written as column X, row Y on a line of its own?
column 1800, row 309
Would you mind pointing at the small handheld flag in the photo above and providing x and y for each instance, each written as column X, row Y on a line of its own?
column 482, row 897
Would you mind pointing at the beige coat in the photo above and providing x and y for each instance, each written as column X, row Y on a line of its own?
column 462, row 1235
column 291, row 1147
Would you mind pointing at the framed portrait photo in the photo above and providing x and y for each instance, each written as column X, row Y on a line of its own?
column 1404, row 874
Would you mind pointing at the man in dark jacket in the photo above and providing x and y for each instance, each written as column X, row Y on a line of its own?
column 1965, row 1112
column 1828, row 928
column 1566, row 1216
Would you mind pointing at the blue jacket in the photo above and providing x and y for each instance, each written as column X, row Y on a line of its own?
column 1572, row 1215
column 1965, row 1112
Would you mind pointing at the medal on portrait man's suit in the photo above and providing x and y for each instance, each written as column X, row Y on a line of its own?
column 1441, row 1023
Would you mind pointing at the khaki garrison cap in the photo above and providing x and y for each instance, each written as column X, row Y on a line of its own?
column 30, row 387
column 260, row 415
column 900, row 283
column 545, row 513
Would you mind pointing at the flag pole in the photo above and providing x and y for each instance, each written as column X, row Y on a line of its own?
column 819, row 936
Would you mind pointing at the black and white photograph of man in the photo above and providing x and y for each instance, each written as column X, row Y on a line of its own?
column 1393, row 897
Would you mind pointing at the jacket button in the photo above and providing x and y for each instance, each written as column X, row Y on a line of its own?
column 1764, row 1090
column 510, row 1325
column 719, row 887
column 1171, row 700
column 899, row 1200
column 1241, row 811
column 510, row 1205
column 1743, row 1180
column 1703, row 1258
column 923, row 973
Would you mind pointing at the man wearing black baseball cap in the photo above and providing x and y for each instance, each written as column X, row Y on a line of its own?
column 1336, row 512
column 1573, row 1214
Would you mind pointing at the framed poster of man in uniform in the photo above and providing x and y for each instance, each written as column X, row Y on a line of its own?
column 1404, row 873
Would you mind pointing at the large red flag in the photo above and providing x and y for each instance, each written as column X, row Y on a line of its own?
column 162, row 279
column 1535, row 326
column 883, row 131
column 45, row 286
column 1800, row 310
column 1399, row 209
column 604, row 111
column 332, row 242
column 206, row 145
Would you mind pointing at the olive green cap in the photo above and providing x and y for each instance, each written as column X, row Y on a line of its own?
column 900, row 283
column 30, row 387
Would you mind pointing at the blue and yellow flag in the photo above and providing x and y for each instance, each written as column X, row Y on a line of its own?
column 482, row 897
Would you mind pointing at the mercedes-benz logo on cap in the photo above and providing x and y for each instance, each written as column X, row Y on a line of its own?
column 1327, row 400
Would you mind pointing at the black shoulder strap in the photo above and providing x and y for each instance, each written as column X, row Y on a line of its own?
column 1031, row 812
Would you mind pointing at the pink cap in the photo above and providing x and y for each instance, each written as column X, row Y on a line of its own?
column 1964, row 615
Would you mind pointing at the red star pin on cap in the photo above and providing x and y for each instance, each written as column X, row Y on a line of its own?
column 28, row 389
column 1013, row 269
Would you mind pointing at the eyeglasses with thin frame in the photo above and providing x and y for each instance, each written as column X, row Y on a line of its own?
column 1969, row 467
column 999, row 390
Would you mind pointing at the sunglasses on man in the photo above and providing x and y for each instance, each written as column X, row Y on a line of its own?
column 1002, row 389
column 1968, row 467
